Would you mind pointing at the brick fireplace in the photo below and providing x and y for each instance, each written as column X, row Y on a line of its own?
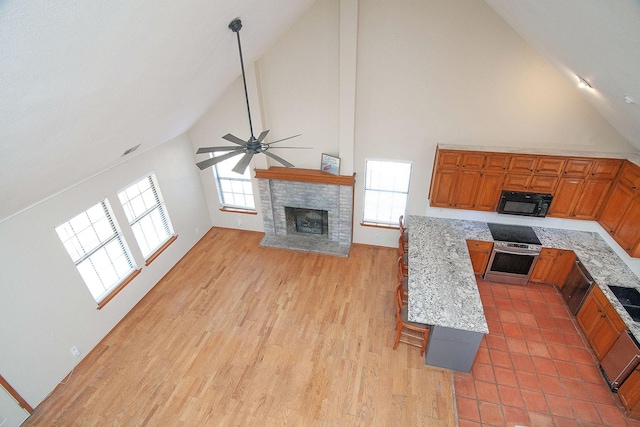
column 311, row 197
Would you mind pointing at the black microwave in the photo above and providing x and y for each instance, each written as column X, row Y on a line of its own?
column 527, row 204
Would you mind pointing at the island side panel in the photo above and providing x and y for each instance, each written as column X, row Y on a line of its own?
column 452, row 348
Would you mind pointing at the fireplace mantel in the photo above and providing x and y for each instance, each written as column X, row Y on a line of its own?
column 304, row 175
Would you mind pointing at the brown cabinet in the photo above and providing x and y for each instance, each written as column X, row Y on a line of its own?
column 472, row 160
column 543, row 183
column 449, row 159
column 522, row 164
column 577, row 168
column 615, row 206
column 489, row 191
column 479, row 252
column 516, row 182
column 553, row 266
column 496, row 161
column 605, row 168
column 630, row 176
column 629, row 393
column 626, row 234
column 566, row 197
column 593, row 194
column 600, row 322
column 550, row 165
column 443, row 185
column 466, row 189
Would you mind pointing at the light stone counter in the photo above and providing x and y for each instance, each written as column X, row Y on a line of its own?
column 442, row 287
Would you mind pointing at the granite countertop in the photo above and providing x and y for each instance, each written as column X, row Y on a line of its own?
column 443, row 289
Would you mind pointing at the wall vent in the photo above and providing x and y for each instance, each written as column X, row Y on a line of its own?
column 130, row 150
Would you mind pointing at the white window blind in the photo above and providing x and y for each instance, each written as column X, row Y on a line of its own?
column 147, row 214
column 97, row 248
column 235, row 190
column 386, row 190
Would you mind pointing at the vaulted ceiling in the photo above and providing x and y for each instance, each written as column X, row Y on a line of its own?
column 81, row 82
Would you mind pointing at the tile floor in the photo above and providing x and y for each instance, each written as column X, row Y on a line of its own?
column 534, row 367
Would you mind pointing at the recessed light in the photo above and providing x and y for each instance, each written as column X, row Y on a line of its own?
column 629, row 100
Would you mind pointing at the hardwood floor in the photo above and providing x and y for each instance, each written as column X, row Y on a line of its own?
column 237, row 334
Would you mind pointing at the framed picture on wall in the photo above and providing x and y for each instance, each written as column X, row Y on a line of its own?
column 330, row 164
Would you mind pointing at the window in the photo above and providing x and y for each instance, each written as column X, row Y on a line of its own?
column 97, row 248
column 235, row 190
column 386, row 187
column 147, row 215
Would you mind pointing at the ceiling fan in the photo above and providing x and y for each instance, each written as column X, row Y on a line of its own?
column 253, row 145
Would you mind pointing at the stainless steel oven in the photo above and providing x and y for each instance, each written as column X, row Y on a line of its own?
column 511, row 263
column 515, row 252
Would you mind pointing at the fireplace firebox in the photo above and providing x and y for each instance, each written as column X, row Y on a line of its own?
column 306, row 221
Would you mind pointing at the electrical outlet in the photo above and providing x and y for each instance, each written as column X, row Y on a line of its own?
column 197, row 230
column 239, row 221
column 74, row 350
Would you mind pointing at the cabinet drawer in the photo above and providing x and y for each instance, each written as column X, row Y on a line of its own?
column 480, row 245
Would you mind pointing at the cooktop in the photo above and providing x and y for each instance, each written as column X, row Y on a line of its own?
column 513, row 233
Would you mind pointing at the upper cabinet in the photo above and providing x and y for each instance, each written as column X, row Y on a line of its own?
column 606, row 190
column 620, row 214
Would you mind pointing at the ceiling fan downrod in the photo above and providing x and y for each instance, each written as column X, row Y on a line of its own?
column 236, row 26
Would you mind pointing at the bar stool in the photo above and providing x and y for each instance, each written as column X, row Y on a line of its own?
column 410, row 333
column 404, row 233
column 404, row 256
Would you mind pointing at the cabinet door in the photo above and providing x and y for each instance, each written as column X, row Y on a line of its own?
column 629, row 392
column 577, row 168
column 630, row 175
column 466, row 189
column 614, row 207
column 472, row 160
column 566, row 197
column 449, row 159
column 516, row 182
column 496, row 162
column 590, row 313
column 443, row 186
column 560, row 269
column 479, row 252
column 591, row 199
column 550, row 165
column 543, row 265
column 526, row 164
column 605, row 168
column 627, row 234
column 489, row 191
column 543, row 183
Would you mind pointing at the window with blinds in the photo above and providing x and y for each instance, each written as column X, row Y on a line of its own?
column 147, row 214
column 97, row 248
column 235, row 190
column 386, row 188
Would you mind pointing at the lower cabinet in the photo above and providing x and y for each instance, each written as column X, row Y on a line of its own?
column 553, row 266
column 600, row 322
column 629, row 393
column 479, row 252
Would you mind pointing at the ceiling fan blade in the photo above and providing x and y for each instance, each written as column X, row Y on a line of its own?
column 279, row 159
column 263, row 135
column 234, row 139
column 295, row 148
column 212, row 161
column 284, row 139
column 243, row 163
column 203, row 150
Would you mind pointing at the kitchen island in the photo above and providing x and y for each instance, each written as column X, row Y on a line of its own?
column 443, row 291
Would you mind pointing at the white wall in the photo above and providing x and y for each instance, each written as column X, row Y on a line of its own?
column 46, row 307
column 453, row 72
column 428, row 72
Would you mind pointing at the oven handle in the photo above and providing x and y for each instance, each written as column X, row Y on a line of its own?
column 502, row 251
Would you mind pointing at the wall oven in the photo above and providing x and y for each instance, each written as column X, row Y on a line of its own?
column 515, row 252
column 527, row 204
